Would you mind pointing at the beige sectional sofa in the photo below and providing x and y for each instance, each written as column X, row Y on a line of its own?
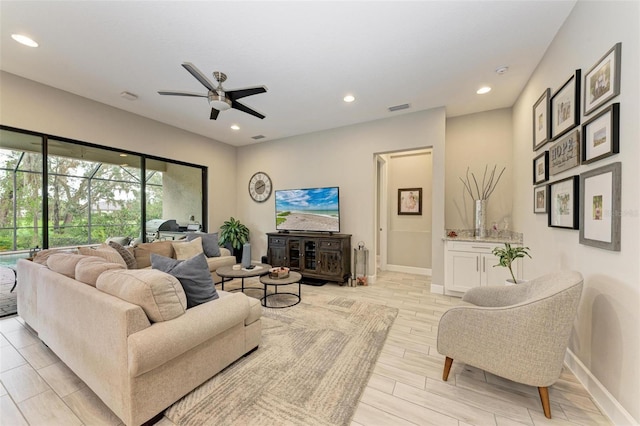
column 127, row 333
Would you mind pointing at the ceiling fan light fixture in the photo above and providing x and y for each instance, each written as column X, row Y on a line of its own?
column 221, row 103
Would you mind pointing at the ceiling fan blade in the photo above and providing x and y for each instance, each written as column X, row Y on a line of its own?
column 237, row 105
column 199, row 76
column 177, row 93
column 214, row 114
column 241, row 93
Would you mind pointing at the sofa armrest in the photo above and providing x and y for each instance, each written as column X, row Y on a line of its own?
column 225, row 251
column 163, row 341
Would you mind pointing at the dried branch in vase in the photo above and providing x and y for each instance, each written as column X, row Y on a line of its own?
column 488, row 185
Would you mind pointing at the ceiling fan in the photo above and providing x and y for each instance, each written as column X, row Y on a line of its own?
column 219, row 99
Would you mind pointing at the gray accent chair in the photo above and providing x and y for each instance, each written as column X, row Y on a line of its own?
column 518, row 332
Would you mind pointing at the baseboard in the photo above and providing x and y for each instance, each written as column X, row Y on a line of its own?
column 609, row 406
column 437, row 289
column 409, row 270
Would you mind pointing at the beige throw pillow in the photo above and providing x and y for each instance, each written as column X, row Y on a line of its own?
column 159, row 295
column 186, row 250
column 104, row 251
column 89, row 269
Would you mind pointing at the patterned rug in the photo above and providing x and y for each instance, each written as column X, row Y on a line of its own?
column 312, row 365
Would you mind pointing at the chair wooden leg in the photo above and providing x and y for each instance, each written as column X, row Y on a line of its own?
column 544, row 398
column 447, row 367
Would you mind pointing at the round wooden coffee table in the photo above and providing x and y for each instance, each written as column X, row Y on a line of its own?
column 230, row 273
column 293, row 278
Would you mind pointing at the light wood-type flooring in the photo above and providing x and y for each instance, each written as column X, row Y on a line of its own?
column 406, row 387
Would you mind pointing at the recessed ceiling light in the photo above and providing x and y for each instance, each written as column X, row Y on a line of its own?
column 235, row 127
column 129, row 96
column 23, row 39
column 349, row 98
column 483, row 90
column 123, row 155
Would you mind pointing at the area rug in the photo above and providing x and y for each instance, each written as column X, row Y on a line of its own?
column 313, row 363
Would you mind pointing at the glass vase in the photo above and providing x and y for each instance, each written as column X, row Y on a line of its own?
column 481, row 219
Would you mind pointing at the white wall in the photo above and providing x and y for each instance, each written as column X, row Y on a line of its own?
column 343, row 157
column 477, row 141
column 606, row 337
column 28, row 105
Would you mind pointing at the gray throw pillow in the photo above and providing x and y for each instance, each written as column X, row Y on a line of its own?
column 192, row 273
column 209, row 242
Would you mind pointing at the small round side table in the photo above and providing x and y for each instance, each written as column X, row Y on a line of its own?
column 293, row 278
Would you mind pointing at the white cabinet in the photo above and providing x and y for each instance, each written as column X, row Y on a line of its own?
column 470, row 264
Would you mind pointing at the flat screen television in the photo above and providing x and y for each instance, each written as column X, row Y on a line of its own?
column 310, row 209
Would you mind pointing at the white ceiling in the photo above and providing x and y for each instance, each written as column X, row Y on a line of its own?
column 309, row 54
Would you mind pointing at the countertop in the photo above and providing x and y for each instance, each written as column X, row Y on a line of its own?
column 502, row 237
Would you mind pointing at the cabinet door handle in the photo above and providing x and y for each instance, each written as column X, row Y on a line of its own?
column 477, row 263
column 484, row 262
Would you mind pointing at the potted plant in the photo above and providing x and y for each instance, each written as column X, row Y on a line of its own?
column 508, row 254
column 234, row 234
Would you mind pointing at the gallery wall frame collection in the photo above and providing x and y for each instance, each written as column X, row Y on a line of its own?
column 590, row 201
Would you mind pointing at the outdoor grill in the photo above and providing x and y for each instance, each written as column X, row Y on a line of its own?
column 164, row 229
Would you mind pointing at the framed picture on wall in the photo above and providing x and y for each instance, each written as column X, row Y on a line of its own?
column 565, row 106
column 563, row 203
column 541, row 120
column 565, row 154
column 602, row 82
column 601, row 135
column 541, row 168
column 600, row 197
column 410, row 201
column 540, row 199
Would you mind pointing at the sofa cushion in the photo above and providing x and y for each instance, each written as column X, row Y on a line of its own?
column 159, row 295
column 104, row 251
column 142, row 252
column 41, row 256
column 64, row 263
column 126, row 255
column 209, row 242
column 187, row 249
column 192, row 273
column 89, row 269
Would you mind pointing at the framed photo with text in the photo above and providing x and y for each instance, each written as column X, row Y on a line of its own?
column 565, row 154
column 541, row 120
column 540, row 199
column 565, row 106
column 541, row 168
column 410, row 201
column 563, row 203
column 601, row 200
column 601, row 135
column 602, row 82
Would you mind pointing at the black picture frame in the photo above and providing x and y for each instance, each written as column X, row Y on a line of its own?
column 600, row 207
column 410, row 201
column 542, row 120
column 540, row 199
column 602, row 81
column 541, row 168
column 601, row 135
column 565, row 106
column 563, row 203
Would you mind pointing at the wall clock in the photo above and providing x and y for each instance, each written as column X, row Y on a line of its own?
column 260, row 187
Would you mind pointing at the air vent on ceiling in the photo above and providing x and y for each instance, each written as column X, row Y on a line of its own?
column 398, row 107
column 258, row 137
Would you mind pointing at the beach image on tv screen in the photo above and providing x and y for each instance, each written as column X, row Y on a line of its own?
column 308, row 210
